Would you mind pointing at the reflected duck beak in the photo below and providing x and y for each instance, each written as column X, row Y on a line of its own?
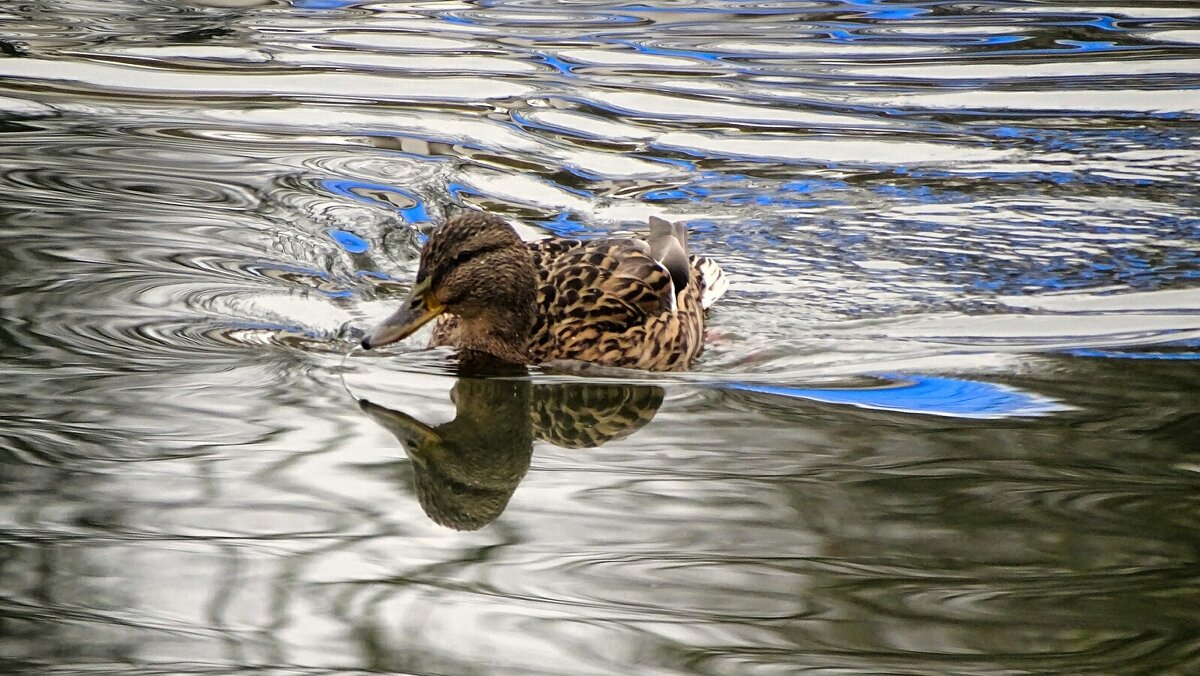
column 420, row 307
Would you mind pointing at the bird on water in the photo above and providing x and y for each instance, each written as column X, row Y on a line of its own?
column 633, row 302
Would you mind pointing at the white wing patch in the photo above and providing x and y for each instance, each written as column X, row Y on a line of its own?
column 674, row 302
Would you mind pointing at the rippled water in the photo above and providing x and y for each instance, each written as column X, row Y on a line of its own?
column 948, row 421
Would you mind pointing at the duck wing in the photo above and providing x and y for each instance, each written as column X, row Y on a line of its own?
column 589, row 292
column 668, row 246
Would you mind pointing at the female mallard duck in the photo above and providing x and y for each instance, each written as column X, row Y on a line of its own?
column 636, row 303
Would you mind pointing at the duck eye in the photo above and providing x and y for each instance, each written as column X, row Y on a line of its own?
column 465, row 255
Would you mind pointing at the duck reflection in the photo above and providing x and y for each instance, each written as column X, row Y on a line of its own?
column 467, row 469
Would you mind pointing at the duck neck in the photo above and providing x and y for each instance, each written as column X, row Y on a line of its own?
column 497, row 316
column 503, row 333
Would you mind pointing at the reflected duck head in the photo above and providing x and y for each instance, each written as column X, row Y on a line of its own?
column 465, row 471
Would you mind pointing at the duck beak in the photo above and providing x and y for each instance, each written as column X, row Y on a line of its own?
column 420, row 307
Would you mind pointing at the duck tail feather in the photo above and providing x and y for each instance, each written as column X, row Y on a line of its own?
column 715, row 281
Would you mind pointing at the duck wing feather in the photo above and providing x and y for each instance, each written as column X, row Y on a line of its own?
column 591, row 290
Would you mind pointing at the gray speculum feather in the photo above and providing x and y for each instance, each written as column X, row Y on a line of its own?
column 668, row 247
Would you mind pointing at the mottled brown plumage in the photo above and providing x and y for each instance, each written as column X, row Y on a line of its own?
column 627, row 302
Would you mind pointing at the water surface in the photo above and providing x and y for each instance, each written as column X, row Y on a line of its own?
column 948, row 421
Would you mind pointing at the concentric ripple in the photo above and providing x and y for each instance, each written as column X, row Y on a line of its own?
column 945, row 422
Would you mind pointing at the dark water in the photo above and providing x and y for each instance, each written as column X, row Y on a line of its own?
column 948, row 422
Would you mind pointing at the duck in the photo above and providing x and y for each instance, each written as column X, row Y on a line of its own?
column 628, row 302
